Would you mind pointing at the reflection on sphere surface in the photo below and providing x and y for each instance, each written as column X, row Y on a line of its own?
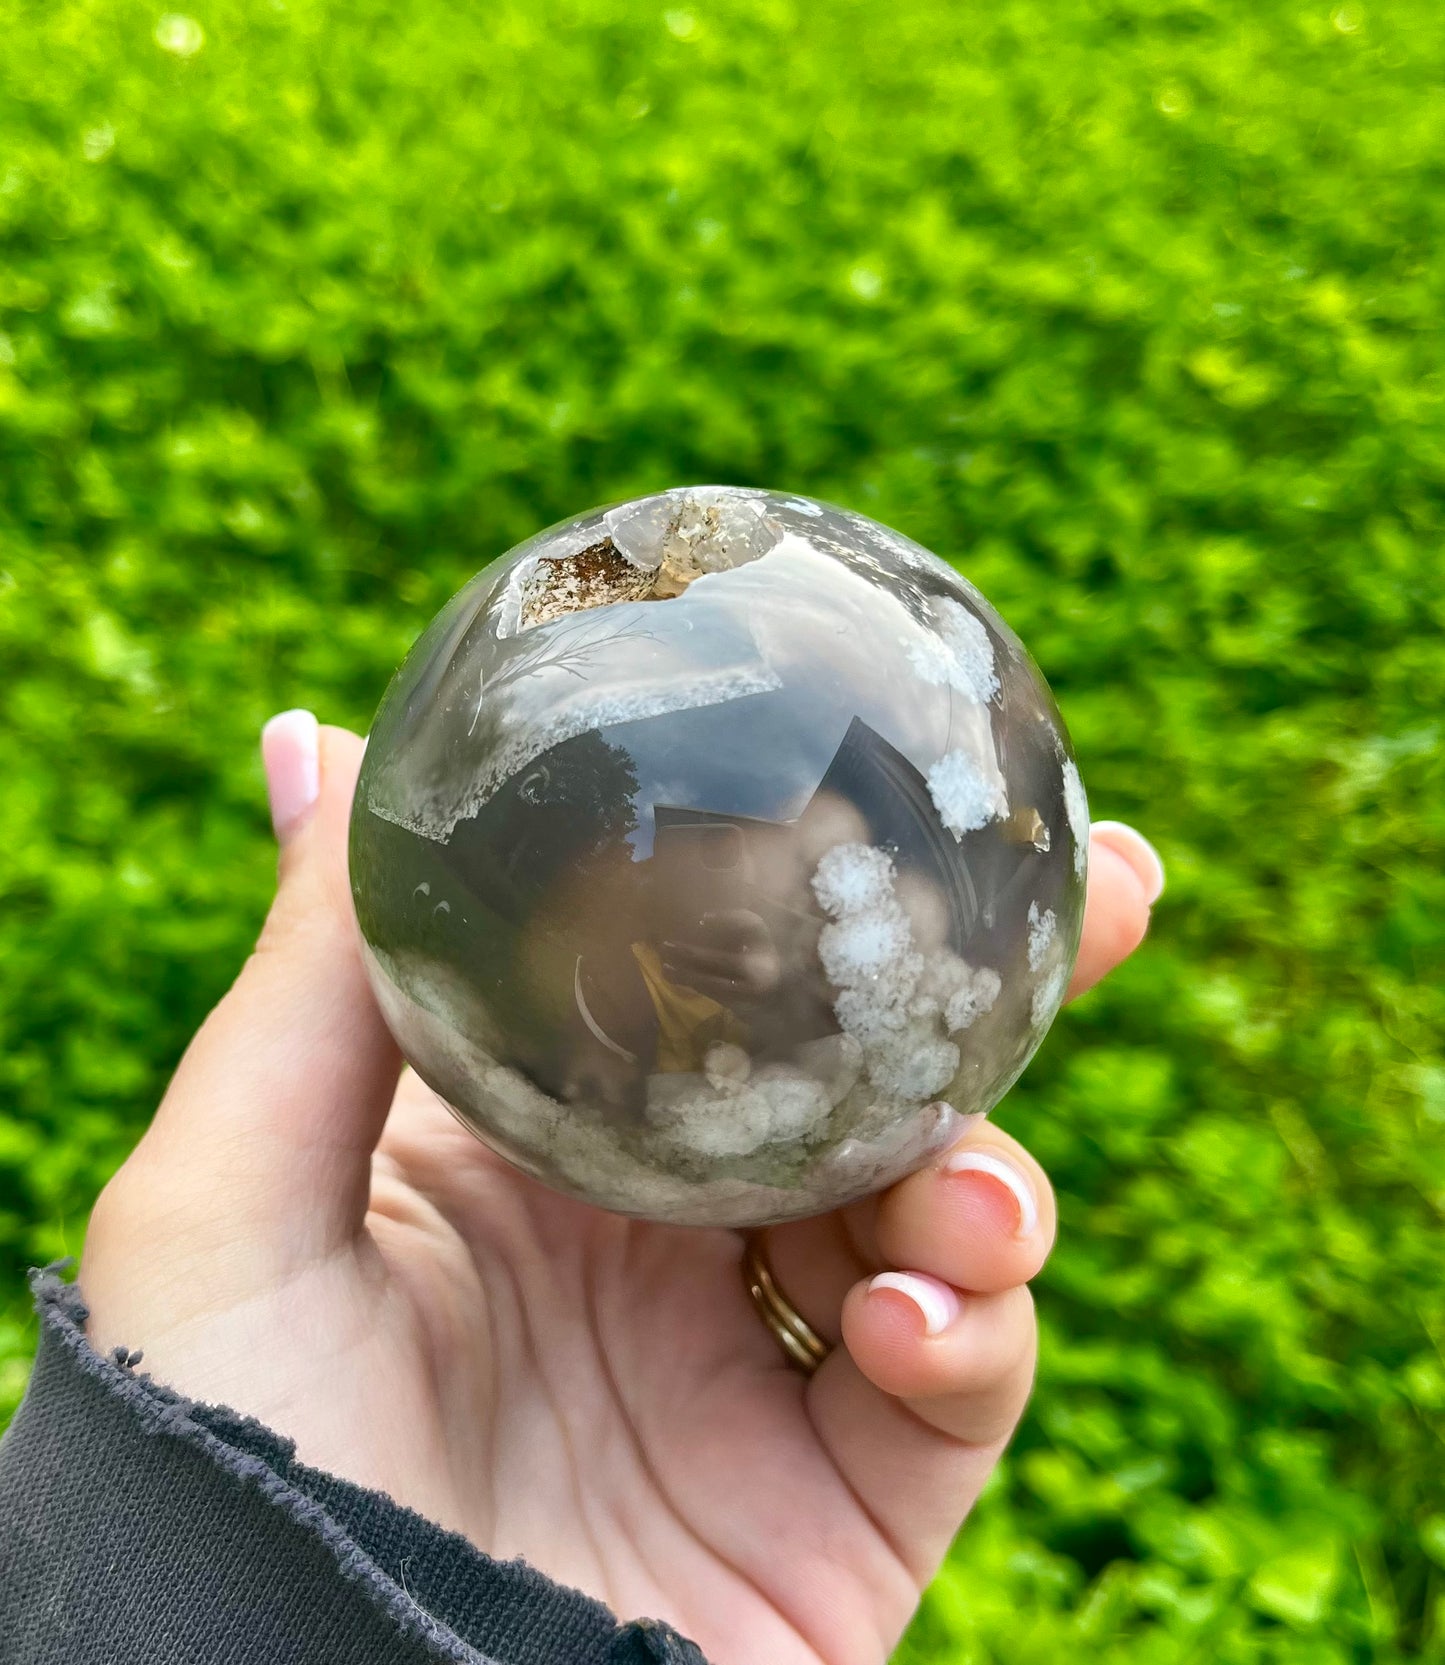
column 715, row 852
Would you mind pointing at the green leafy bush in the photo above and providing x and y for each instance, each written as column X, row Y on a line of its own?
column 1128, row 306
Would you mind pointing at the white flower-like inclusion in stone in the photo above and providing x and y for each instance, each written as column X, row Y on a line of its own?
column 1076, row 808
column 1049, row 996
column 961, row 655
column 1041, row 934
column 967, row 798
column 899, row 1005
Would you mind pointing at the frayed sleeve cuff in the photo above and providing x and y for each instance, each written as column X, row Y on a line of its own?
column 137, row 1524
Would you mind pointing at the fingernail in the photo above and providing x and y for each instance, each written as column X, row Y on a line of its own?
column 934, row 1299
column 985, row 1162
column 291, row 756
column 1141, row 855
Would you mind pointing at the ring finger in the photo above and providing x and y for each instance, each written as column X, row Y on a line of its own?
column 981, row 1218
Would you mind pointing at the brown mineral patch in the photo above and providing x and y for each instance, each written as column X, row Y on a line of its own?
column 670, row 550
column 593, row 577
column 1026, row 826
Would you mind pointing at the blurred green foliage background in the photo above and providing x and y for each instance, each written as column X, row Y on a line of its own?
column 1129, row 307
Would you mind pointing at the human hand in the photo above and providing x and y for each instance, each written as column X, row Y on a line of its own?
column 731, row 959
column 303, row 1237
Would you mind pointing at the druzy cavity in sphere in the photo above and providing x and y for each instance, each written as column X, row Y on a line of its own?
column 715, row 852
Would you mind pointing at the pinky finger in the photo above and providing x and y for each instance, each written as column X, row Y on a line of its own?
column 963, row 1363
column 915, row 1409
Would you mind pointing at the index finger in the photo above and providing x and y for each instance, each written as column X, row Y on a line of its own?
column 1126, row 878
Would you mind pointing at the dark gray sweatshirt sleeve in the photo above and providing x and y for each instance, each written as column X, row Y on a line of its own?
column 138, row 1525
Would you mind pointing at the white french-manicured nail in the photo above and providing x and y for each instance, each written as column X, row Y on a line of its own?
column 291, row 756
column 1141, row 855
column 985, row 1162
column 935, row 1300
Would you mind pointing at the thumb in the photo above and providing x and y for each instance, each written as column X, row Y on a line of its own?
column 283, row 1094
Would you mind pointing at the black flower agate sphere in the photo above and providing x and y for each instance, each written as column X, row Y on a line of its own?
column 715, row 852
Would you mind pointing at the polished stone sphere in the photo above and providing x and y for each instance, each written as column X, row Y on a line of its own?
column 715, row 853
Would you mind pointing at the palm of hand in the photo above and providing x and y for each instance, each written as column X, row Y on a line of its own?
column 619, row 1366
column 593, row 1394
